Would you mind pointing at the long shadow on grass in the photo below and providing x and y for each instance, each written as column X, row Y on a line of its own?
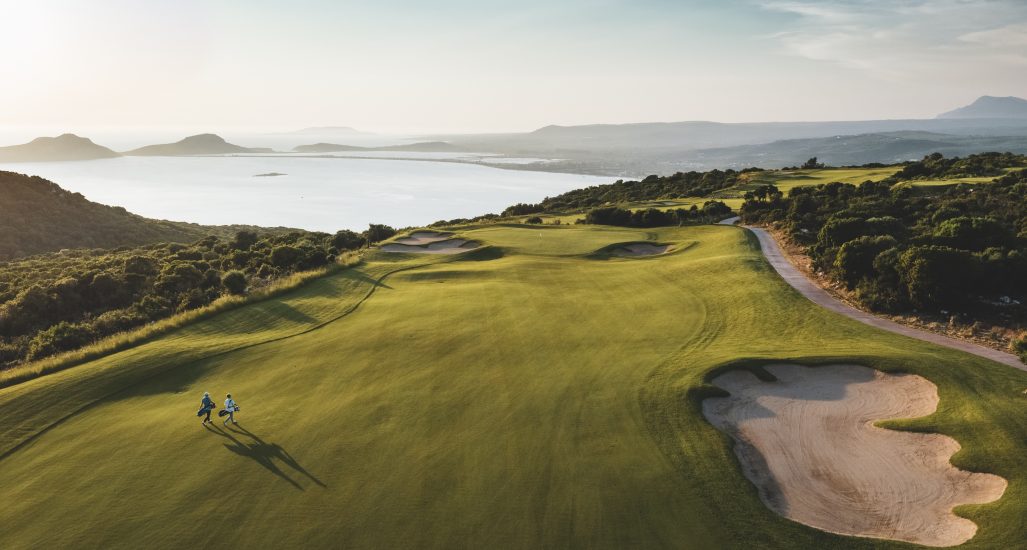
column 361, row 276
column 265, row 454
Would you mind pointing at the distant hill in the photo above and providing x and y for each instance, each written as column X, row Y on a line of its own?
column 63, row 147
column 327, row 148
column 991, row 107
column 202, row 144
column 325, row 131
column 887, row 148
column 37, row 216
column 422, row 147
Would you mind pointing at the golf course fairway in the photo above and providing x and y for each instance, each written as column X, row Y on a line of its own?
column 530, row 393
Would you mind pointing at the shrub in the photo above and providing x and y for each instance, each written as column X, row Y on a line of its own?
column 234, row 282
column 63, row 336
column 376, row 233
column 855, row 259
column 285, row 255
column 347, row 240
column 1019, row 347
column 938, row 276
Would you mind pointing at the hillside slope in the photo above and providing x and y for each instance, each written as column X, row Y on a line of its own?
column 63, row 147
column 478, row 401
column 201, row 144
column 991, row 107
column 37, row 215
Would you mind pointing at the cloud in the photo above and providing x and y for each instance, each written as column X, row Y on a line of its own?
column 895, row 38
column 1010, row 36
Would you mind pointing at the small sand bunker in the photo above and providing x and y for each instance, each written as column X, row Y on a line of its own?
column 419, row 238
column 450, row 246
column 640, row 249
column 808, row 443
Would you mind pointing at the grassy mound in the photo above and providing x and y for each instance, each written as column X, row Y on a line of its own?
column 522, row 396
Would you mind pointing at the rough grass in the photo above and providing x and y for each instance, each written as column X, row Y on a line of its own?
column 524, row 397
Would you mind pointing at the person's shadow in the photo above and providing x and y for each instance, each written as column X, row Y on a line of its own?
column 265, row 454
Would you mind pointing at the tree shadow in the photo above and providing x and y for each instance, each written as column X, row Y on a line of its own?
column 268, row 455
column 361, row 276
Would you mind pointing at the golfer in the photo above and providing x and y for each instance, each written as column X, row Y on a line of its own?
column 230, row 407
column 206, row 406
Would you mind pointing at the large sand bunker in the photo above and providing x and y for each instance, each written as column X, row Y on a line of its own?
column 419, row 238
column 808, row 443
column 639, row 249
column 448, row 246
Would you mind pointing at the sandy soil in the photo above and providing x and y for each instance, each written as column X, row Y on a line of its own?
column 450, row 246
column 640, row 249
column 808, row 443
column 419, row 238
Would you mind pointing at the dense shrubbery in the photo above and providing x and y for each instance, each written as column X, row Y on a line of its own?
column 62, row 301
column 711, row 211
column 37, row 216
column 961, row 248
column 936, row 166
column 460, row 221
column 679, row 185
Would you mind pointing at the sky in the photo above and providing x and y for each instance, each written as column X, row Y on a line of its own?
column 412, row 66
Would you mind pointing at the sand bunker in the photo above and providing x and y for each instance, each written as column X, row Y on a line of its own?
column 809, row 445
column 419, row 238
column 640, row 249
column 450, row 246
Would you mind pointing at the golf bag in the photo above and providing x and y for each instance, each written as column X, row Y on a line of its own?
column 224, row 412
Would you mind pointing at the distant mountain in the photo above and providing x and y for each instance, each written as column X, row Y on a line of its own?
column 327, row 148
column 991, row 107
column 37, row 216
column 886, row 148
column 625, row 141
column 63, row 147
column 202, row 144
column 422, row 147
column 325, row 131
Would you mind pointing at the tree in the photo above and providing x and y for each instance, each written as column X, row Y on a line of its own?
column 838, row 231
column 347, row 240
column 812, row 164
column 972, row 233
column 938, row 276
column 377, row 233
column 855, row 259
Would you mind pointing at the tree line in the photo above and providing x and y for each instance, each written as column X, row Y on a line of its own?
column 63, row 301
column 953, row 249
column 679, row 185
column 711, row 211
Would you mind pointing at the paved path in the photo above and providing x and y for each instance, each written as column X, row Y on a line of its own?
column 821, row 297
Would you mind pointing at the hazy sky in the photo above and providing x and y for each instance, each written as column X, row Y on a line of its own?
column 478, row 65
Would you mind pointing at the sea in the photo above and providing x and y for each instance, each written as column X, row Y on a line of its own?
column 319, row 193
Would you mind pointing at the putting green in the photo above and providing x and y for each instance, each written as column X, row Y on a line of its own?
column 523, row 394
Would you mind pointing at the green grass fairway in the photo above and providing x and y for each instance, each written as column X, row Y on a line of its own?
column 528, row 394
column 785, row 180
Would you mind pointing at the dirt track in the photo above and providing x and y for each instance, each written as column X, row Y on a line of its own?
column 809, row 444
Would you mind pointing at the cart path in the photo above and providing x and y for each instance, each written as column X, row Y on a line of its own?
column 821, row 297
